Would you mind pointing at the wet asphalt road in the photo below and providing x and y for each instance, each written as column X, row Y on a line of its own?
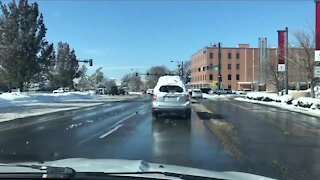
column 274, row 142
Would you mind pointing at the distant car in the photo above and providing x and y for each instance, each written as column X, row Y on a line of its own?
column 170, row 95
column 121, row 91
column 150, row 91
column 60, row 90
column 101, row 91
column 196, row 93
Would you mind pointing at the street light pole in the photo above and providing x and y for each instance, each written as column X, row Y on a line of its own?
column 219, row 73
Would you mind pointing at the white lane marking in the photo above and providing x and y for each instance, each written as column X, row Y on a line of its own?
column 116, row 126
column 124, row 119
column 110, row 131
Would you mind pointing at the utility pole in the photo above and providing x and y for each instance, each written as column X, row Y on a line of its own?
column 287, row 64
column 219, row 72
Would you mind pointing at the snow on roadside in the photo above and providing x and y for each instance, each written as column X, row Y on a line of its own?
column 20, row 99
column 312, row 112
column 214, row 97
column 35, row 110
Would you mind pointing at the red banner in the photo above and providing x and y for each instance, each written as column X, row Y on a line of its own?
column 317, row 25
column 282, row 35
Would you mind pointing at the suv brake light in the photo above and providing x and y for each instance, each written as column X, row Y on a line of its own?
column 154, row 97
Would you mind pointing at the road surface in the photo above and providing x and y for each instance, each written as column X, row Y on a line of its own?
column 271, row 141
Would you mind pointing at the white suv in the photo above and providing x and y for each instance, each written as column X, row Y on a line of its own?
column 170, row 95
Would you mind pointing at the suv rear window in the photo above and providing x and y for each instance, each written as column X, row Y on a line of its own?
column 171, row 89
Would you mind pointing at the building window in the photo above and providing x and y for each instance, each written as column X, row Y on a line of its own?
column 211, row 77
column 238, row 66
column 229, row 86
column 199, row 69
column 229, row 66
column 238, row 77
column 238, row 56
column 211, row 55
column 229, row 76
column 229, row 55
column 205, row 77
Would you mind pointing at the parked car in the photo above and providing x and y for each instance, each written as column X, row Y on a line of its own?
column 221, row 91
column 170, row 95
column 205, row 90
column 61, row 90
column 243, row 91
column 196, row 93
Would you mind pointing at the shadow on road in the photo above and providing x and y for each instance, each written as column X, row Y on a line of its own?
column 208, row 116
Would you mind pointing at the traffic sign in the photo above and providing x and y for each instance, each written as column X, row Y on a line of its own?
column 214, row 84
column 317, row 55
column 281, row 67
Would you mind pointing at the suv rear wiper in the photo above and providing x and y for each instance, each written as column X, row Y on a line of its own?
column 49, row 171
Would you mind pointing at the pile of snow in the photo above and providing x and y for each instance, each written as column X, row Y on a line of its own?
column 135, row 93
column 268, row 97
column 307, row 102
column 213, row 97
column 22, row 98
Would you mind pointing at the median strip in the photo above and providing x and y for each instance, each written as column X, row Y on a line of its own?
column 221, row 129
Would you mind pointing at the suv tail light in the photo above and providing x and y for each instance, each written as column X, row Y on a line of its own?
column 154, row 97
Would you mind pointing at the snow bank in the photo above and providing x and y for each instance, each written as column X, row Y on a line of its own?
column 135, row 93
column 18, row 98
column 264, row 96
column 214, row 97
column 290, row 107
column 306, row 102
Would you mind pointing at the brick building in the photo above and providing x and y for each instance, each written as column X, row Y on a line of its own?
column 240, row 68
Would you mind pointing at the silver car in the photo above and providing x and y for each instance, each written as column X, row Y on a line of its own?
column 196, row 93
column 171, row 96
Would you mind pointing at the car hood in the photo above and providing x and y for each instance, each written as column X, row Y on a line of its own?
column 121, row 166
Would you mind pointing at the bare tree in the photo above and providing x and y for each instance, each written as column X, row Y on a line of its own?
column 303, row 56
column 271, row 67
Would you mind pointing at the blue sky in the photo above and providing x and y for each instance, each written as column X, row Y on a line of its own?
column 120, row 36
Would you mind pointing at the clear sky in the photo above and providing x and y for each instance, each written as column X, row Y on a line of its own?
column 120, row 36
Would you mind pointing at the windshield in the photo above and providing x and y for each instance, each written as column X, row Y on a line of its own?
column 224, row 86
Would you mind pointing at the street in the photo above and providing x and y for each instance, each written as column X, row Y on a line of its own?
column 265, row 140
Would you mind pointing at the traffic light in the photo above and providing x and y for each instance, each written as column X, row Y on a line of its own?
column 136, row 74
column 148, row 74
column 90, row 62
